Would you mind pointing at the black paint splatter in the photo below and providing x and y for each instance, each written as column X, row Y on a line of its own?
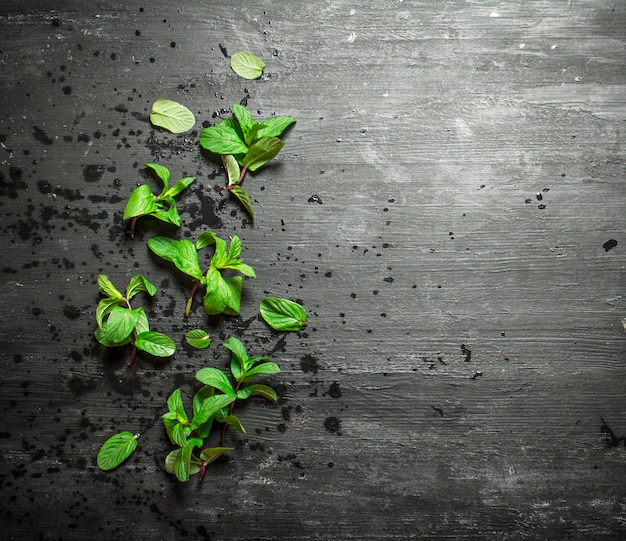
column 609, row 244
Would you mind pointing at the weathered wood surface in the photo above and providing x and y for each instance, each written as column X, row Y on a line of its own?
column 465, row 338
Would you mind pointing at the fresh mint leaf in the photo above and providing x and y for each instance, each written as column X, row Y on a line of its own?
column 210, row 406
column 173, row 457
column 198, row 338
column 182, row 253
column 247, row 65
column 244, row 199
column 211, row 454
column 156, row 344
column 262, row 152
column 264, row 368
column 223, row 295
column 105, row 306
column 162, row 172
column 175, row 405
column 263, row 391
column 116, row 450
column 283, row 314
column 232, row 169
column 215, row 378
column 172, row 116
column 121, row 323
column 107, row 288
column 274, row 126
column 222, row 139
column 139, row 283
column 181, row 185
column 140, row 203
column 235, row 423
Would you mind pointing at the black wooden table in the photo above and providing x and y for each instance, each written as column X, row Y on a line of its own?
column 450, row 209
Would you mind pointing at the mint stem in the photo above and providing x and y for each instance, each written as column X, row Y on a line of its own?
column 238, row 183
column 190, row 299
column 133, row 223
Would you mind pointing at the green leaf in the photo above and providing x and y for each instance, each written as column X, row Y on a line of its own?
column 208, row 238
column 198, row 338
column 107, row 288
column 105, row 306
column 247, row 65
column 181, row 185
column 273, row 127
column 215, row 378
column 262, row 152
column 242, row 115
column 181, row 464
column 222, row 139
column 140, row 283
column 210, row 406
column 182, row 253
column 244, row 199
column 283, row 314
column 116, row 449
column 213, row 453
column 239, row 356
column 140, row 203
column 223, row 295
column 162, row 172
column 176, row 431
column 142, row 324
column 172, row 116
column 265, row 368
column 234, row 422
column 171, row 459
column 155, row 343
column 121, row 323
column 102, row 337
column 175, row 405
column 263, row 391
column 232, row 168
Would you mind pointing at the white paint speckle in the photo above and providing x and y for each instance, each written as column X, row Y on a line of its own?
column 522, row 45
column 351, row 37
column 352, row 11
column 554, row 47
column 494, row 14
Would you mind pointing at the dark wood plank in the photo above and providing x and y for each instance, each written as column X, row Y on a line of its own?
column 441, row 209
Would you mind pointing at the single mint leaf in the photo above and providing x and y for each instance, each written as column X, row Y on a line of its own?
column 247, row 65
column 181, row 185
column 244, row 199
column 210, row 406
column 175, row 405
column 215, row 378
column 172, row 116
column 239, row 356
column 155, row 343
column 162, row 172
column 234, row 422
column 223, row 295
column 208, row 238
column 182, row 462
column 232, row 168
column 121, row 323
column 264, row 368
column 222, row 139
column 140, row 283
column 283, row 314
column 213, row 453
column 263, row 391
column 273, row 127
column 105, row 306
column 262, row 152
column 182, row 253
column 198, row 338
column 107, row 288
column 140, row 203
column 242, row 115
column 102, row 337
column 171, row 459
column 116, row 449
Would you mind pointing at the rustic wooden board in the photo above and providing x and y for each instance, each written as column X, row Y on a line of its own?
column 450, row 208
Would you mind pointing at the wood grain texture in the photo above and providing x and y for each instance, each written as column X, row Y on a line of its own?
column 441, row 209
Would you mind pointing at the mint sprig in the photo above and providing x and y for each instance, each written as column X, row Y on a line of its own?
column 142, row 202
column 213, row 403
column 223, row 293
column 250, row 143
column 119, row 324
